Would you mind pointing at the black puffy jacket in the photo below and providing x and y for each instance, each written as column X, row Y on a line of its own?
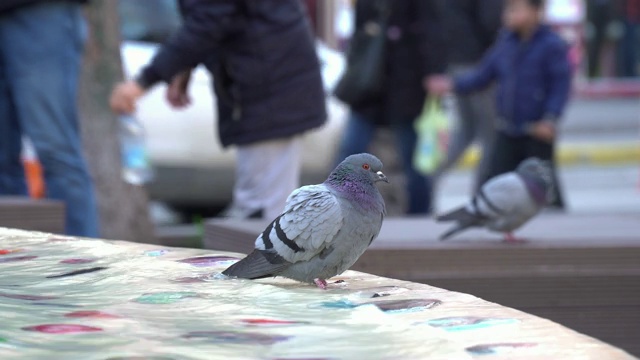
column 471, row 27
column 415, row 50
column 9, row 5
column 264, row 63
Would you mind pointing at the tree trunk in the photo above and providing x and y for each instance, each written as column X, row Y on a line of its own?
column 123, row 208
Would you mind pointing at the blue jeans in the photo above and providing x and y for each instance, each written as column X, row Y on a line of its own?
column 40, row 57
column 357, row 137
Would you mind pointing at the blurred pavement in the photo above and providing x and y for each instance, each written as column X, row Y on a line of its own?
column 599, row 156
column 588, row 189
column 595, row 131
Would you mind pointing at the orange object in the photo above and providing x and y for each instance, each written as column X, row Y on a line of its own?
column 9, row 251
column 35, row 178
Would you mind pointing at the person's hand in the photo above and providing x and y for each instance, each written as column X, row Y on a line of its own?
column 438, row 85
column 177, row 94
column 543, row 130
column 124, row 96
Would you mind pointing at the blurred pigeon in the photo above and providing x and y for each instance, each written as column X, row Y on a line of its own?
column 324, row 228
column 507, row 201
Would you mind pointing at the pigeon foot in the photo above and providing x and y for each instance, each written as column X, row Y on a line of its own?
column 321, row 283
column 510, row 239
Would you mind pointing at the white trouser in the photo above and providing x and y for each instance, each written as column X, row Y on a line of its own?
column 266, row 173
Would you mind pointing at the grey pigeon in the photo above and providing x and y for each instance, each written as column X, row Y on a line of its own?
column 324, row 228
column 507, row 201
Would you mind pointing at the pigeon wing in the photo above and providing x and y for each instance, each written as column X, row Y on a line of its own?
column 500, row 196
column 308, row 225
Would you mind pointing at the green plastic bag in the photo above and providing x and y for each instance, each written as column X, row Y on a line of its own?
column 432, row 127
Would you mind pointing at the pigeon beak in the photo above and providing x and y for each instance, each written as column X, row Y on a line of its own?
column 381, row 177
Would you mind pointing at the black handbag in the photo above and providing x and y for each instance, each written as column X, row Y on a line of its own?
column 364, row 77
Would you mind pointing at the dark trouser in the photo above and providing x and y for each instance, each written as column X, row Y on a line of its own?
column 627, row 55
column 509, row 151
column 357, row 137
column 476, row 122
column 599, row 15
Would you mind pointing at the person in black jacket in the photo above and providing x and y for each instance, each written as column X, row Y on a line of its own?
column 267, row 83
column 471, row 27
column 414, row 51
column 41, row 44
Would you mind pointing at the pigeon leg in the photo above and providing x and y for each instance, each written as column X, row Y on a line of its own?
column 321, row 283
column 510, row 239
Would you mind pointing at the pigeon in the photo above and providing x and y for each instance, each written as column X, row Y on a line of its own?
column 323, row 229
column 507, row 201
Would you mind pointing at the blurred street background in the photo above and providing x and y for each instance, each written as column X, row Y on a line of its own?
column 599, row 169
column 599, row 152
column 599, row 146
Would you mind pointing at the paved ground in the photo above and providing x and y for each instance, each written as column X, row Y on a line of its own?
column 601, row 117
column 599, row 153
column 595, row 131
column 589, row 190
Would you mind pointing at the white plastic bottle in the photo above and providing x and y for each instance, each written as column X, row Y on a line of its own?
column 136, row 169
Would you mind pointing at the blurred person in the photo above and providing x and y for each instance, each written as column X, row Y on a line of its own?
column 529, row 64
column 599, row 17
column 414, row 50
column 627, row 53
column 41, row 45
column 267, row 83
column 471, row 27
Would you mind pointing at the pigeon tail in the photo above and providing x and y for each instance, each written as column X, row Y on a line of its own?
column 454, row 230
column 463, row 218
column 259, row 264
column 454, row 215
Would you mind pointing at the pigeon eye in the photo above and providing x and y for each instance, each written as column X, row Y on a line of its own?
column 366, row 166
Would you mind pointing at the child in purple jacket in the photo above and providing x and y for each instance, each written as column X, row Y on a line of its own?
column 530, row 66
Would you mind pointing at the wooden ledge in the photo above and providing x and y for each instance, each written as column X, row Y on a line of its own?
column 31, row 214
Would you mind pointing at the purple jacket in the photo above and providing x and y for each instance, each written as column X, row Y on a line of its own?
column 533, row 79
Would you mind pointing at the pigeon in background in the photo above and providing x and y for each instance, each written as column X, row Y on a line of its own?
column 507, row 201
column 324, row 228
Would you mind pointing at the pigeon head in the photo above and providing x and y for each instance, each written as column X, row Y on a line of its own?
column 359, row 169
column 538, row 177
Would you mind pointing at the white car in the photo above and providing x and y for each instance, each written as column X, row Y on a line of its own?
column 191, row 167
